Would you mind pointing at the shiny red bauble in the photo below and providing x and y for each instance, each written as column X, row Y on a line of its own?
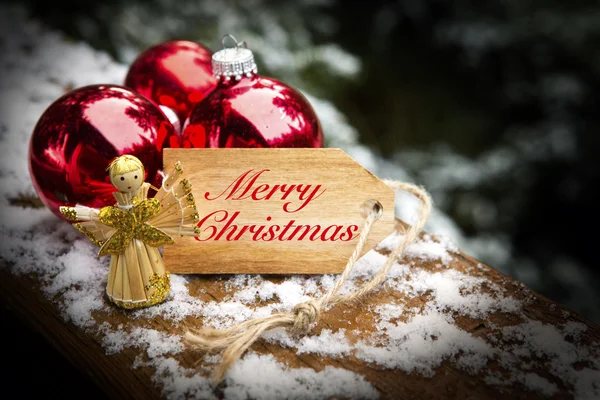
column 82, row 132
column 176, row 74
column 253, row 112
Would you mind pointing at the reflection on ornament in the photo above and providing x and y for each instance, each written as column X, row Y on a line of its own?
column 246, row 110
column 174, row 120
column 81, row 132
column 174, row 74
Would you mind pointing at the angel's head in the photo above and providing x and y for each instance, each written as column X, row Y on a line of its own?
column 126, row 173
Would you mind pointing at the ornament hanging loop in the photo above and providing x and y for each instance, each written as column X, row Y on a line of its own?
column 236, row 44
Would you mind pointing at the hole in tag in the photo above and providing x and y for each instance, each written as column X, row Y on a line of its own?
column 371, row 206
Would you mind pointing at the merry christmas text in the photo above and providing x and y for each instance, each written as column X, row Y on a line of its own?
column 223, row 224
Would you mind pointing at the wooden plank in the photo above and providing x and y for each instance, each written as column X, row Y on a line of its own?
column 301, row 234
column 114, row 373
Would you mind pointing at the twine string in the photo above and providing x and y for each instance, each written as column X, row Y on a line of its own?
column 238, row 338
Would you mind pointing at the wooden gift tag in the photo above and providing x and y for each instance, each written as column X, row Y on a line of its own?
column 275, row 211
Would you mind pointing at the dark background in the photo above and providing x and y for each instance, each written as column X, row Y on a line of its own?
column 445, row 87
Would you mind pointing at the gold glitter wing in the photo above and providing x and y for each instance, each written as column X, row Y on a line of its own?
column 146, row 209
column 117, row 243
column 178, row 214
column 89, row 223
column 132, row 224
column 114, row 217
column 152, row 236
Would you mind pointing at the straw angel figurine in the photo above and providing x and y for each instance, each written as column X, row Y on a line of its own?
column 134, row 228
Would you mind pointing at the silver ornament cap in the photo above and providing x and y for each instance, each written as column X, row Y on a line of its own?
column 233, row 62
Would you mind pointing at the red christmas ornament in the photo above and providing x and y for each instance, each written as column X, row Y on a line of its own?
column 82, row 132
column 246, row 110
column 175, row 74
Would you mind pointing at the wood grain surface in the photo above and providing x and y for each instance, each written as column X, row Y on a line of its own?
column 345, row 186
column 114, row 373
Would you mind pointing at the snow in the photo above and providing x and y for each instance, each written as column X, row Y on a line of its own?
column 326, row 343
column 178, row 382
column 424, row 343
column 536, row 339
column 427, row 249
column 414, row 340
column 539, row 384
column 254, row 378
column 156, row 343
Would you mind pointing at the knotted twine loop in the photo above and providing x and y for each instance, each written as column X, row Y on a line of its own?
column 238, row 338
column 305, row 314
